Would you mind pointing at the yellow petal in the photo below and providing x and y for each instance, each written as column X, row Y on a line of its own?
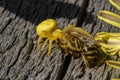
column 115, row 3
column 112, row 34
column 112, row 50
column 114, row 41
column 104, row 49
column 110, row 18
column 119, row 53
column 106, row 35
column 112, row 46
column 114, row 64
column 116, row 79
column 106, row 45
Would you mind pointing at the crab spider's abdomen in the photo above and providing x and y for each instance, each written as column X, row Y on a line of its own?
column 48, row 25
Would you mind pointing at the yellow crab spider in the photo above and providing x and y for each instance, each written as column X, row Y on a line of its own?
column 48, row 30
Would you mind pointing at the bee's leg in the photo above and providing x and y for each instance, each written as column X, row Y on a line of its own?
column 85, row 60
column 45, row 43
column 76, row 43
column 38, row 42
column 66, row 51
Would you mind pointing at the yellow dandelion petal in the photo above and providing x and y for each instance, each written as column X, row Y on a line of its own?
column 114, row 64
column 115, row 3
column 110, row 18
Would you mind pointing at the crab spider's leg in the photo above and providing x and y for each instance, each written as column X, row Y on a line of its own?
column 45, row 43
column 38, row 42
column 52, row 38
column 50, row 46
column 45, row 35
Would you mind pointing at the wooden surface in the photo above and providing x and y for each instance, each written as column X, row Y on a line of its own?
column 19, row 56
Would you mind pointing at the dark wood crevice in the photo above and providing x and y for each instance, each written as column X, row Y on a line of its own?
column 64, row 67
column 83, row 13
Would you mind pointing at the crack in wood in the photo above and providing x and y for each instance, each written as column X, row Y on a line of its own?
column 19, row 6
column 67, row 61
column 18, row 53
column 64, row 67
column 83, row 13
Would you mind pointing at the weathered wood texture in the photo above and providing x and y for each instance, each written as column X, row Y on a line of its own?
column 19, row 57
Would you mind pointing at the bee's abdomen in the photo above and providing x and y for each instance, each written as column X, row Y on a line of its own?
column 92, row 55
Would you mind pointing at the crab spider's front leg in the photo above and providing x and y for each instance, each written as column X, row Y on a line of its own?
column 57, row 34
column 44, row 35
column 38, row 42
column 50, row 39
column 45, row 43
column 50, row 47
column 53, row 38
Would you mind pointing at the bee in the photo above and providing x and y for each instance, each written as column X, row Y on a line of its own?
column 77, row 42
column 73, row 40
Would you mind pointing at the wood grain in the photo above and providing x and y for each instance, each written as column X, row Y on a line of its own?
column 19, row 57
